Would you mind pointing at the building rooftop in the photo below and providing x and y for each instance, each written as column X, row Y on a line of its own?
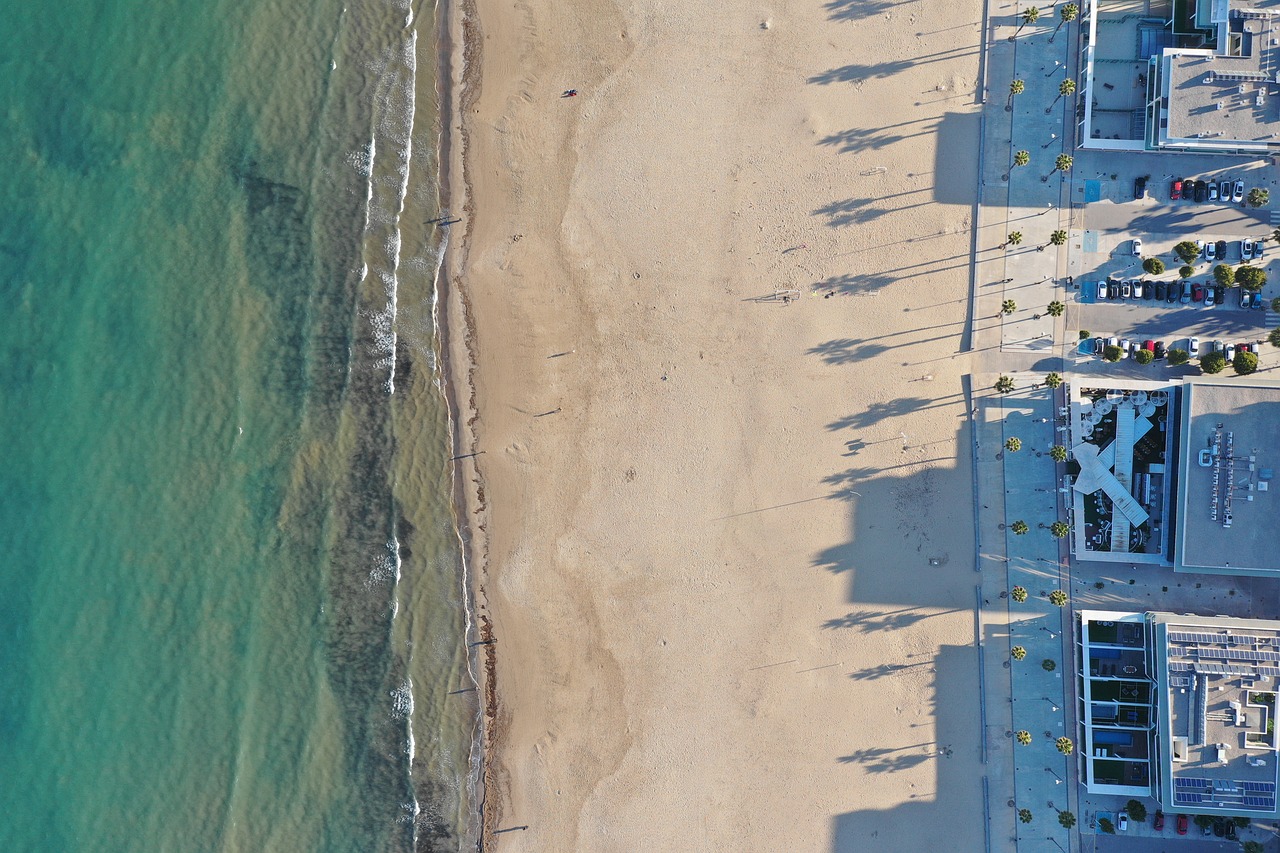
column 1226, row 510
column 1220, row 689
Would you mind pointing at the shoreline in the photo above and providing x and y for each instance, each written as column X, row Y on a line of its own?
column 457, row 368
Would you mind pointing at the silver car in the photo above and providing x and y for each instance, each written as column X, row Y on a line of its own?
column 1237, row 194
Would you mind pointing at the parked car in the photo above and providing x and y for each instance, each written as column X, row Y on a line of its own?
column 1137, row 289
column 1126, row 289
column 1193, row 347
column 1174, row 291
column 1098, row 345
column 1175, row 191
column 1229, row 353
column 1126, row 345
column 1160, row 351
column 1246, row 298
column 1224, row 190
column 1182, row 824
column 1113, row 289
column 1246, row 249
column 1102, row 290
column 1209, row 301
column 1162, row 290
column 1217, row 346
column 1197, row 293
column 1213, row 191
column 1219, row 827
column 1257, row 250
column 1202, row 191
column 1137, row 247
column 1231, row 831
column 1237, row 192
column 1210, row 251
column 1252, row 347
column 1184, row 295
column 1219, row 295
column 1122, row 823
column 1222, row 250
column 1158, row 823
column 1139, row 188
column 1150, row 346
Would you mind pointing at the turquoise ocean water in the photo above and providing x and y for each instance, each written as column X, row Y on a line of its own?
column 230, row 611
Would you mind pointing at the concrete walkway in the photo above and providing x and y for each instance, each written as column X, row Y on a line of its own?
column 1023, row 695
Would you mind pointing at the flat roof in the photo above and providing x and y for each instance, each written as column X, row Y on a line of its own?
column 1218, row 679
column 1231, row 432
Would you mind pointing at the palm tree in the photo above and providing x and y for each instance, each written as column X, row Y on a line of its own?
column 1017, row 87
column 1067, row 819
column 1018, row 594
column 1058, row 598
column 1004, row 385
column 1053, row 380
column 1048, row 664
column 1059, row 529
column 1061, row 164
column 1066, row 14
column 1055, row 309
column 1058, row 453
column 1022, row 736
column 1065, row 88
column 1019, row 527
column 1021, row 158
column 1024, row 815
column 1014, row 239
column 1030, row 16
column 1013, row 445
column 1058, row 237
column 1018, row 653
column 1008, row 306
column 1065, row 746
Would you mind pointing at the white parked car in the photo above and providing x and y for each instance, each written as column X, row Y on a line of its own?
column 1230, row 352
column 1210, row 250
column 1137, row 289
column 1123, row 824
column 1137, row 247
column 1213, row 191
column 1246, row 249
column 1125, row 347
column 1237, row 193
column 1193, row 347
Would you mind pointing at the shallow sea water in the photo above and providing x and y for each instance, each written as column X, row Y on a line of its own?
column 231, row 615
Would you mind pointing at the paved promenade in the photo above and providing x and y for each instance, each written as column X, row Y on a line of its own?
column 1023, row 695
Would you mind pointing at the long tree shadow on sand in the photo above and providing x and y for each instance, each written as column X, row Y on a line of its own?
column 949, row 820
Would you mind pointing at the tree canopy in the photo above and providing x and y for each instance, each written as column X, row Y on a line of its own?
column 1258, row 197
column 1223, row 275
column 1113, row 353
column 1213, row 362
column 1244, row 363
column 1155, row 266
column 1187, row 251
column 1250, row 277
column 1178, row 356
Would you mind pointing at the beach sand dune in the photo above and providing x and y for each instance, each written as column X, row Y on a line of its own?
column 724, row 540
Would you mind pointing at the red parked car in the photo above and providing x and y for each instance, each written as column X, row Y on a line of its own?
column 1175, row 191
column 1182, row 824
column 1197, row 293
column 1159, row 822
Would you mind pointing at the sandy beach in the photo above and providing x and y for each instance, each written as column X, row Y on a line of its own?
column 705, row 330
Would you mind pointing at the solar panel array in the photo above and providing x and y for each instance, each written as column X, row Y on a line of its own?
column 1192, row 790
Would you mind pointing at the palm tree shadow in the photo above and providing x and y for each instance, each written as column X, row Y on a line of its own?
column 850, row 10
column 853, row 283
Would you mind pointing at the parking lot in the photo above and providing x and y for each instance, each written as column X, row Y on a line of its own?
column 1105, row 221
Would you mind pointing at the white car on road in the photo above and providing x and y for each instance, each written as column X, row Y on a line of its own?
column 1137, row 247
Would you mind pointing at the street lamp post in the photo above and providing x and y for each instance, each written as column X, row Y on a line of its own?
column 1057, row 66
column 1053, row 137
column 1049, row 770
